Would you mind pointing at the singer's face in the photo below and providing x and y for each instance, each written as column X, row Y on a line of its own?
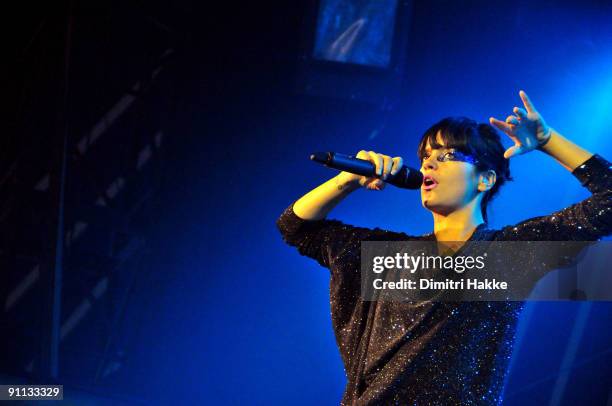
column 455, row 182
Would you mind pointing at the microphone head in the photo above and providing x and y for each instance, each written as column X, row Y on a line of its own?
column 414, row 179
column 408, row 178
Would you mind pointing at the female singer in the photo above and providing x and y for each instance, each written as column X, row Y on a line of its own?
column 441, row 352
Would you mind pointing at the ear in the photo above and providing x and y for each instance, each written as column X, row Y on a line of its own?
column 486, row 180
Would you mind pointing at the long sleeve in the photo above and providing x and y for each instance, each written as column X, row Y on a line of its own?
column 588, row 220
column 321, row 240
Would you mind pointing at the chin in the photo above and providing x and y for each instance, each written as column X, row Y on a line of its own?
column 429, row 206
column 432, row 207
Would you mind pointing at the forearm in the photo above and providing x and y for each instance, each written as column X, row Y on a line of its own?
column 565, row 151
column 317, row 203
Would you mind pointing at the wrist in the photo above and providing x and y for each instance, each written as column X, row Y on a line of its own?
column 347, row 181
column 545, row 140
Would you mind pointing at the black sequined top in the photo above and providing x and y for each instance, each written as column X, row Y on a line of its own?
column 433, row 353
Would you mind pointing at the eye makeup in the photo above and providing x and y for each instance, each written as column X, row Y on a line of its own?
column 452, row 155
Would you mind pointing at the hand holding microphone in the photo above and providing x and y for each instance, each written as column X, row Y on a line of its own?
column 371, row 170
column 384, row 166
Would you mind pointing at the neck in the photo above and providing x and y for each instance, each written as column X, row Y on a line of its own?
column 458, row 225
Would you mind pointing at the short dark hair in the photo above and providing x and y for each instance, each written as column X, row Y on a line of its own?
column 481, row 141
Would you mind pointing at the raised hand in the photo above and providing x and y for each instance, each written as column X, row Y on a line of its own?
column 526, row 128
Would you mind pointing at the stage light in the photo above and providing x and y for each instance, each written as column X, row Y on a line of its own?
column 355, row 50
column 355, row 31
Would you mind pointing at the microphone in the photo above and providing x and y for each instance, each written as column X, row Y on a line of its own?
column 406, row 178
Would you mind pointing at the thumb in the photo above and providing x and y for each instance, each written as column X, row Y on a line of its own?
column 513, row 151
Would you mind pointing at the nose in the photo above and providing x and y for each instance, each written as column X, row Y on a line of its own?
column 429, row 164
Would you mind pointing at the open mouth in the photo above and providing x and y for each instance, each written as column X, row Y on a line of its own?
column 429, row 183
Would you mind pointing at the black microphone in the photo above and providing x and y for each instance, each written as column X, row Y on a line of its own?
column 407, row 178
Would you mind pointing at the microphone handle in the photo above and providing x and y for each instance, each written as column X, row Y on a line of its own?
column 351, row 164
